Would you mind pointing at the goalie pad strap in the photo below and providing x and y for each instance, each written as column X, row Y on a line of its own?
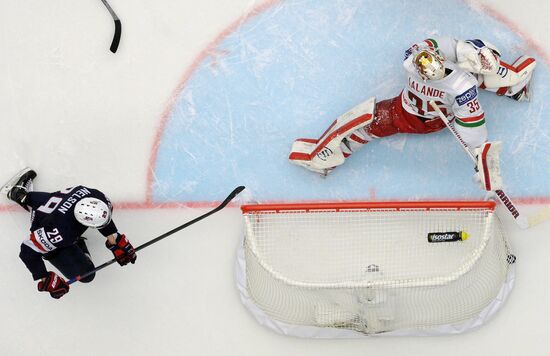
column 357, row 139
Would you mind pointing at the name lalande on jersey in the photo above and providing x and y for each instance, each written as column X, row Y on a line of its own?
column 426, row 90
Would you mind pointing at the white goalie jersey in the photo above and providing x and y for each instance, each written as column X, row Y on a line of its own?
column 456, row 93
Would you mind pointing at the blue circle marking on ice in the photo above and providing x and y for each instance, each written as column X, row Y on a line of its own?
column 290, row 71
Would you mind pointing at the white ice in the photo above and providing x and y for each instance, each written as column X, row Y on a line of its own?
column 58, row 79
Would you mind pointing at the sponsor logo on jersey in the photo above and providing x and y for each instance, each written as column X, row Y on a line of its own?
column 42, row 239
column 467, row 96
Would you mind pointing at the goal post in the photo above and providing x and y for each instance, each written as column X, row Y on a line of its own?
column 361, row 268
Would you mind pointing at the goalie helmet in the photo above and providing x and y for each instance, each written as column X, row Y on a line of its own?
column 92, row 212
column 429, row 64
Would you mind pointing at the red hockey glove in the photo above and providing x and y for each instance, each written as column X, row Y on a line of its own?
column 122, row 250
column 54, row 284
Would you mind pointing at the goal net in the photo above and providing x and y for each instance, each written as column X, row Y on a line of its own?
column 374, row 267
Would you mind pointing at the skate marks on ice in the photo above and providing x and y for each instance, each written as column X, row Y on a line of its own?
column 290, row 70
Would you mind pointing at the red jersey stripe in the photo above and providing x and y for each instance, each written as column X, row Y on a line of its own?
column 36, row 243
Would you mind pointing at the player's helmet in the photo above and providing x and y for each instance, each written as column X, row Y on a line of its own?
column 92, row 212
column 429, row 64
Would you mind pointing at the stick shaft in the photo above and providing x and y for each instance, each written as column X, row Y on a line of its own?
column 222, row 205
column 110, row 9
column 118, row 27
column 520, row 219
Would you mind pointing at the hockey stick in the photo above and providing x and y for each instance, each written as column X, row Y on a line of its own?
column 541, row 216
column 230, row 197
column 520, row 219
column 118, row 27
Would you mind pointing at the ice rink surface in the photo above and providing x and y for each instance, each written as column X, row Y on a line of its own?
column 204, row 96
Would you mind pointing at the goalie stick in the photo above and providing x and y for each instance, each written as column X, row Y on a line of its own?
column 118, row 27
column 222, row 205
column 520, row 219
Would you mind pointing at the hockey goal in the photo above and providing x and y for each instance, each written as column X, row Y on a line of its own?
column 374, row 267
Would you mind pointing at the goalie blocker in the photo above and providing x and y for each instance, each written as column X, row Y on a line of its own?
column 341, row 138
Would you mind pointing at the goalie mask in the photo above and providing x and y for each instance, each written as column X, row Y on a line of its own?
column 429, row 64
column 92, row 212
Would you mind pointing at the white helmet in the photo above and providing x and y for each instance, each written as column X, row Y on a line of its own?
column 429, row 64
column 92, row 212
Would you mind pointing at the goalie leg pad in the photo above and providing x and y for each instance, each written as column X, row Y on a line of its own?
column 305, row 153
column 488, row 165
column 327, row 152
column 511, row 80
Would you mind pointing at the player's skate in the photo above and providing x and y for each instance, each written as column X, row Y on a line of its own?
column 18, row 186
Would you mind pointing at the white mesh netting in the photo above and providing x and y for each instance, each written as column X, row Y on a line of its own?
column 373, row 270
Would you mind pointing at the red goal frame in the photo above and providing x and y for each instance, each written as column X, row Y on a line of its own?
column 371, row 205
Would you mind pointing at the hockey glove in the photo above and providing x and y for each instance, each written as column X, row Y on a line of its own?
column 122, row 250
column 54, row 284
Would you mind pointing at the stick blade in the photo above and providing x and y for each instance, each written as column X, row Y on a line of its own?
column 539, row 217
column 116, row 37
column 239, row 189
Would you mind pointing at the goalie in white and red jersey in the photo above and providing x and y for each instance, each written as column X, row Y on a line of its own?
column 444, row 70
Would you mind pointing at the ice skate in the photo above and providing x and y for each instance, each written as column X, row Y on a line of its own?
column 18, row 186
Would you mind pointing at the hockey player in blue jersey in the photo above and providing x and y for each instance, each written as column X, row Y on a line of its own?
column 58, row 221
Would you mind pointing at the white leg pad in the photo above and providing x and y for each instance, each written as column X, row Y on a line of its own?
column 324, row 154
column 510, row 75
column 488, row 165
